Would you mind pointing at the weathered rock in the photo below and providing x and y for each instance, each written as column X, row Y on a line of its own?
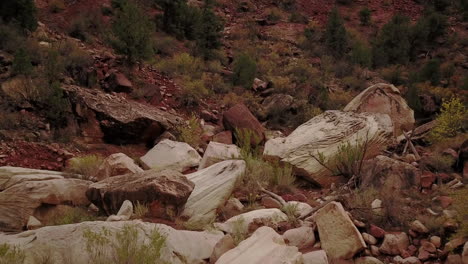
column 33, row 223
column 384, row 99
column 239, row 117
column 387, row 174
column 315, row 257
column 259, row 85
column 367, row 260
column 10, row 176
column 124, row 214
column 224, row 245
column 325, row 134
column 410, row 260
column 224, row 137
column 301, row 208
column 376, row 206
column 28, row 192
column 419, row 227
column 427, row 179
column 264, row 246
column 169, row 188
column 118, row 82
column 376, row 231
column 114, row 165
column 428, row 246
column 216, row 152
column 67, row 241
column 171, row 155
column 232, row 208
column 274, row 104
column 301, row 237
column 465, row 254
column 394, row 244
column 241, row 222
column 213, row 187
column 269, row 202
column 338, row 235
column 121, row 121
column 369, row 239
column 453, row 259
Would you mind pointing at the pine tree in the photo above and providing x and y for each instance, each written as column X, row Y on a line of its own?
column 244, row 71
column 22, row 62
column 335, row 34
column 22, row 12
column 208, row 35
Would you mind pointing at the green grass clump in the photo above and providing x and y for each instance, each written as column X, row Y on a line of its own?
column 85, row 165
column 11, row 254
column 71, row 215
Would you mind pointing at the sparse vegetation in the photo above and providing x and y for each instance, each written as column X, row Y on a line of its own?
column 292, row 212
column 238, row 231
column 460, row 204
column 365, row 16
column 140, row 210
column 452, row 120
column 71, row 215
column 22, row 12
column 335, row 34
column 85, row 165
column 244, row 71
column 190, row 132
column 11, row 254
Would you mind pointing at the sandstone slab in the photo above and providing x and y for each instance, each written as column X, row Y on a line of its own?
column 171, row 155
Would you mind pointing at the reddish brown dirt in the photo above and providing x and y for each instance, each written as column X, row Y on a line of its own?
column 31, row 155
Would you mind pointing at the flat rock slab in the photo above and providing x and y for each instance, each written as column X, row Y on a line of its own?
column 213, row 187
column 216, row 152
column 67, row 241
column 264, row 246
column 324, row 134
column 339, row 237
column 10, row 176
column 241, row 222
column 170, row 188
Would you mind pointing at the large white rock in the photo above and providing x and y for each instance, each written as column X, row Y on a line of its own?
column 27, row 192
column 316, row 257
column 325, row 133
column 338, row 235
column 124, row 214
column 10, row 176
column 301, row 237
column 67, row 241
column 385, row 99
column 264, row 246
column 116, row 164
column 241, row 222
column 213, row 187
column 172, row 155
column 216, row 152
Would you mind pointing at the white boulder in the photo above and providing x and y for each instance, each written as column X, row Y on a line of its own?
column 172, row 155
column 216, row 152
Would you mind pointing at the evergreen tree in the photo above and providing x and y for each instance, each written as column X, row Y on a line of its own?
column 335, row 34
column 22, row 62
column 22, row 12
column 244, row 71
column 412, row 97
column 132, row 32
column 393, row 42
column 431, row 72
column 208, row 35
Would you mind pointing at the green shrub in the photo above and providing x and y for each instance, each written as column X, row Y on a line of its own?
column 274, row 15
column 460, row 204
column 57, row 106
column 438, row 163
column 165, row 46
column 85, row 26
column 297, row 17
column 292, row 212
column 365, row 16
column 361, row 54
column 22, row 12
column 393, row 75
column 56, row 6
column 179, row 19
column 182, row 64
column 453, row 118
column 190, row 132
column 22, row 62
column 85, row 165
column 244, row 71
column 132, row 31
column 11, row 254
column 10, row 38
column 335, row 34
column 238, row 231
column 140, row 210
column 71, row 215
column 53, row 66
column 431, row 72
column 193, row 91
column 124, row 246
column 208, row 33
column 412, row 97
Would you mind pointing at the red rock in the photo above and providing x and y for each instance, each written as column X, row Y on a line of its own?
column 412, row 250
column 445, row 201
column 427, row 179
column 240, row 117
column 208, row 116
column 444, row 177
column 224, row 137
column 376, row 231
column 423, row 255
column 299, row 197
column 269, row 202
column 428, row 246
column 118, row 82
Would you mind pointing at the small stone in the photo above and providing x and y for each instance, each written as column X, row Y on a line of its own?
column 411, row 260
column 436, row 241
column 269, row 202
column 428, row 246
column 233, row 207
column 368, row 238
column 376, row 231
column 33, row 223
column 445, row 201
column 359, row 224
column 423, row 255
column 367, row 260
column 301, row 237
column 465, row 254
column 394, row 244
column 419, row 227
column 450, row 213
column 377, row 206
column 375, row 251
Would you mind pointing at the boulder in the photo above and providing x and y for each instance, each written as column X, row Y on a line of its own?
column 384, row 99
column 216, row 152
column 171, row 155
column 240, row 223
column 119, row 83
column 10, row 176
column 224, row 245
column 276, row 103
column 239, row 117
column 384, row 173
column 169, row 188
column 68, row 242
column 338, row 235
column 121, row 121
column 232, row 208
column 213, row 187
column 367, row 260
column 301, row 237
column 419, row 227
column 264, row 246
column 394, row 244
column 19, row 201
column 124, row 214
column 224, row 137
column 324, row 134
column 315, row 257
column 114, row 165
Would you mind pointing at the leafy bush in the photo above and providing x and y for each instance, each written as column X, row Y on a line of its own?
column 365, row 16
column 453, row 118
column 274, row 15
column 438, row 163
column 412, row 97
column 85, row 26
column 182, row 64
column 393, row 75
column 292, row 212
column 124, row 246
column 165, row 46
column 57, row 106
column 428, row 28
column 431, row 72
column 335, row 34
column 132, row 32
column 21, row 11
column 190, row 132
column 297, row 17
column 22, row 62
column 85, row 165
column 192, row 92
column 10, row 37
column 11, row 255
column 244, row 71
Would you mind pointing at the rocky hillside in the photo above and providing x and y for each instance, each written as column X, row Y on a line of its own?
column 292, row 131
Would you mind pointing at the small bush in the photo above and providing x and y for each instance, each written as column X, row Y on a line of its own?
column 297, row 17
column 337, row 100
column 292, row 212
column 23, row 12
column 438, row 162
column 244, row 69
column 190, row 132
column 182, row 64
column 453, row 118
column 85, row 165
column 460, row 204
column 431, row 72
column 57, row 106
column 11, row 254
column 71, row 215
column 22, row 62
column 166, row 46
column 238, row 231
column 140, row 210
column 124, row 246
column 193, row 92
column 365, row 16
column 393, row 75
column 361, row 54
column 274, row 15
column 335, row 34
